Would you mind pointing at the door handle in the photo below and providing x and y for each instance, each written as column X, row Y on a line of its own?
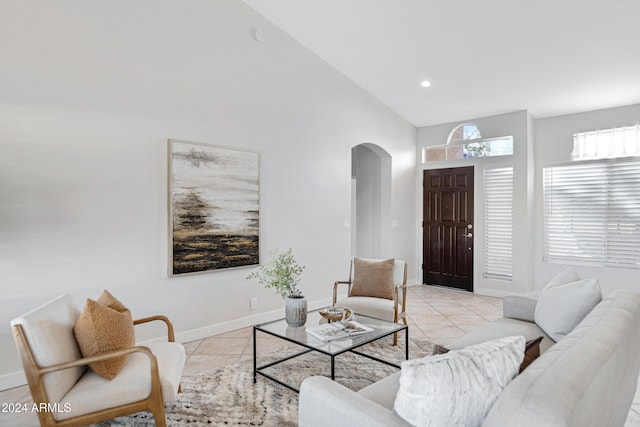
column 469, row 234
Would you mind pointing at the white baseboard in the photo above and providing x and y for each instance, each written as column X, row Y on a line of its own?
column 413, row 282
column 498, row 293
column 12, row 380
column 17, row 379
column 493, row 292
column 243, row 322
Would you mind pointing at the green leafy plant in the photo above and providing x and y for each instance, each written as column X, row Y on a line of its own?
column 282, row 272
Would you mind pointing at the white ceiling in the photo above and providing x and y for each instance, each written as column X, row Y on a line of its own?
column 483, row 57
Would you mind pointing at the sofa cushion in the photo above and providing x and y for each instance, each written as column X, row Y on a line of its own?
column 561, row 305
column 105, row 325
column 531, row 352
column 500, row 328
column 459, row 387
column 384, row 391
column 373, row 307
column 93, row 393
column 373, row 278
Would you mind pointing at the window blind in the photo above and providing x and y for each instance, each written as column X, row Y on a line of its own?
column 498, row 223
column 592, row 213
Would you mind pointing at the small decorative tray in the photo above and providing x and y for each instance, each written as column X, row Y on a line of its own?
column 335, row 314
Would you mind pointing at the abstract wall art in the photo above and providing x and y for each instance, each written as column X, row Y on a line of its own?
column 214, row 206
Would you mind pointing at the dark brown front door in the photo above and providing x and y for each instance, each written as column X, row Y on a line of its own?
column 448, row 227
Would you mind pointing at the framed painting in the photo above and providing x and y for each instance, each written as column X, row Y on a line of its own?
column 214, row 207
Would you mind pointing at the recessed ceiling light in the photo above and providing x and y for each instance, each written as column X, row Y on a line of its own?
column 425, row 83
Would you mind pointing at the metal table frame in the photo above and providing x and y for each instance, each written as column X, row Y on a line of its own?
column 309, row 348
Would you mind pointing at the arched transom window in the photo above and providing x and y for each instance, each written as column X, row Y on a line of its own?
column 463, row 133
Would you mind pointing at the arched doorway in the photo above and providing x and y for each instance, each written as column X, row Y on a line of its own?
column 370, row 201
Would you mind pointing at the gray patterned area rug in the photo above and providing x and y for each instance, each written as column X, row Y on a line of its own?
column 228, row 396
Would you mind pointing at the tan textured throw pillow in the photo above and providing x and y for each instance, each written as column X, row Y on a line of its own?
column 110, row 301
column 373, row 278
column 105, row 325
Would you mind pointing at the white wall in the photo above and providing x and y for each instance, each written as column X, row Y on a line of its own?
column 97, row 89
column 554, row 143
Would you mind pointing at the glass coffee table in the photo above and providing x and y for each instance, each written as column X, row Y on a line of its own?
column 299, row 336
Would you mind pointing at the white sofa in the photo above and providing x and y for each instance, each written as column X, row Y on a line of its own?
column 589, row 378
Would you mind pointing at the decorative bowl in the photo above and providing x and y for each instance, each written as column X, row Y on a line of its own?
column 335, row 314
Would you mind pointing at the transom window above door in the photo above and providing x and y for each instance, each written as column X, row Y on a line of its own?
column 465, row 142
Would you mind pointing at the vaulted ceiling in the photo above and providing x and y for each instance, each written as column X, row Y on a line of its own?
column 482, row 57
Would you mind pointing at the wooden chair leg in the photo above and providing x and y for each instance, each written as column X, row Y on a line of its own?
column 395, row 336
column 159, row 416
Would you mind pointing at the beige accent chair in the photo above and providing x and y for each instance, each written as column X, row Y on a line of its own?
column 58, row 375
column 388, row 309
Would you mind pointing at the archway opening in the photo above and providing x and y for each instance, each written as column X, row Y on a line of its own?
column 370, row 201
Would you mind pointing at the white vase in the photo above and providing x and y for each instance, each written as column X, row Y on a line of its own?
column 295, row 310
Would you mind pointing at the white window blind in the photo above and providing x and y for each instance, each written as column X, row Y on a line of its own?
column 592, row 213
column 498, row 223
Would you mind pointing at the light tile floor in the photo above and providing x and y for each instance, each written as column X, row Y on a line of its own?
column 439, row 314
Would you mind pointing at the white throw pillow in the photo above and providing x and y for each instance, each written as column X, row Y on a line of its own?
column 567, row 275
column 457, row 388
column 561, row 306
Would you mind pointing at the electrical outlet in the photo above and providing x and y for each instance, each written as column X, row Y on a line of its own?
column 253, row 303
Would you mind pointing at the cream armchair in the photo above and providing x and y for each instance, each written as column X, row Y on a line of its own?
column 59, row 379
column 392, row 307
